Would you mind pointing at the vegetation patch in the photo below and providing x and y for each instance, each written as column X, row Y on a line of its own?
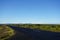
column 5, row 32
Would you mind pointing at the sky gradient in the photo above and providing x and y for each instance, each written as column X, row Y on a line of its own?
column 30, row 11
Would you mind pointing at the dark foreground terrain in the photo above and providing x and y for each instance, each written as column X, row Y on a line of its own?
column 30, row 34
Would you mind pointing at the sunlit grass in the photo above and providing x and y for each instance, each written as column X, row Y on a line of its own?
column 5, row 32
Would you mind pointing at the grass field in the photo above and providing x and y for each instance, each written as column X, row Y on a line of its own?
column 5, row 32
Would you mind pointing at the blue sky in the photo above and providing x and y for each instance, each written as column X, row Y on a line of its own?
column 30, row 11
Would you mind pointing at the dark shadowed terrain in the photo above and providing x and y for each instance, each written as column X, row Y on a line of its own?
column 30, row 34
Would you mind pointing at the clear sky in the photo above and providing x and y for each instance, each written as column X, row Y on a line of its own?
column 30, row 11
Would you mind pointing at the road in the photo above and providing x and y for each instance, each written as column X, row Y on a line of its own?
column 30, row 34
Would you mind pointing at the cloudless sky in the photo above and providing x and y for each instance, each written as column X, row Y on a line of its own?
column 30, row 11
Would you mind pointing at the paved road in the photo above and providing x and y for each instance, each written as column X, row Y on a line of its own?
column 34, row 34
